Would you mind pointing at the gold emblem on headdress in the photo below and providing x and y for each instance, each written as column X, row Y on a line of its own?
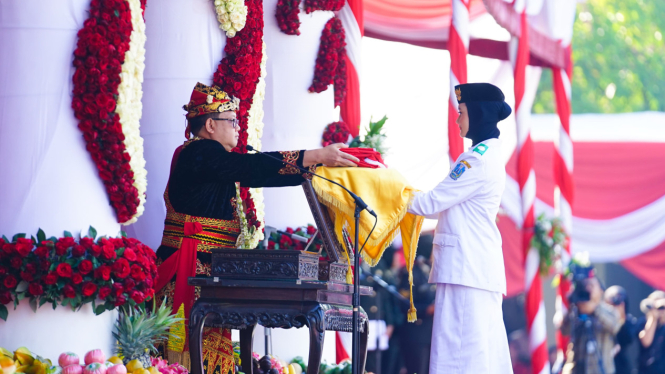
column 458, row 93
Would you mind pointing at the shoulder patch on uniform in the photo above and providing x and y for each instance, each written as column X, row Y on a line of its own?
column 481, row 148
column 459, row 169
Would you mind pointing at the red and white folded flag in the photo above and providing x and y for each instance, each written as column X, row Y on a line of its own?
column 369, row 158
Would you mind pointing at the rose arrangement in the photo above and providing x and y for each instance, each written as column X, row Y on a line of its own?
column 282, row 240
column 314, row 5
column 336, row 132
column 287, row 16
column 232, row 15
column 374, row 137
column 73, row 272
column 331, row 61
column 107, row 99
column 238, row 75
column 549, row 238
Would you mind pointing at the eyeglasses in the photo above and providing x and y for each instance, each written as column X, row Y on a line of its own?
column 234, row 121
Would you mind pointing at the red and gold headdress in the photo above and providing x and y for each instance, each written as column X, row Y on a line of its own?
column 206, row 100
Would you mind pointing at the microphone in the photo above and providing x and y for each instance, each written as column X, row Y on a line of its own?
column 359, row 202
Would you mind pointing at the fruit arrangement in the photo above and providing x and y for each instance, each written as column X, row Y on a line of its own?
column 24, row 361
column 273, row 365
column 138, row 331
column 343, row 367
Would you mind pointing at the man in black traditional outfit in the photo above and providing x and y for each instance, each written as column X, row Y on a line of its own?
column 202, row 210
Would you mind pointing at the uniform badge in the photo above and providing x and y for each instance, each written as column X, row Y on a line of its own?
column 480, row 148
column 459, row 169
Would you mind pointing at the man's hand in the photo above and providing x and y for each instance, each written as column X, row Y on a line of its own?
column 329, row 156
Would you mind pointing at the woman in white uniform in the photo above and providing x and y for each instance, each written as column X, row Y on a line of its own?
column 468, row 334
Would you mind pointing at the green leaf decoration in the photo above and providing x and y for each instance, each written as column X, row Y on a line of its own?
column 68, row 234
column 33, row 304
column 3, row 312
column 15, row 238
column 41, row 236
column 123, row 234
column 22, row 286
column 100, row 309
column 92, row 233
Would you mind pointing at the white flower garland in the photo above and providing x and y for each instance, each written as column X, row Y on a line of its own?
column 254, row 133
column 232, row 15
column 129, row 107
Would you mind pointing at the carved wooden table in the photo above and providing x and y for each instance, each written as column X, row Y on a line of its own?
column 241, row 304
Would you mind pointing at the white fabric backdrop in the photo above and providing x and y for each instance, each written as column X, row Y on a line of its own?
column 48, row 179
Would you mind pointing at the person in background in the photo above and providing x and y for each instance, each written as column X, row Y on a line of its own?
column 518, row 345
column 415, row 338
column 591, row 325
column 617, row 297
column 652, row 336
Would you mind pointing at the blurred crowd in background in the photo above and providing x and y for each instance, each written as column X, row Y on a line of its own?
column 605, row 336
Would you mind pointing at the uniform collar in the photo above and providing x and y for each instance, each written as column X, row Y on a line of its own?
column 488, row 143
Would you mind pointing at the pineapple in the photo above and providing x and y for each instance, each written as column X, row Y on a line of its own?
column 138, row 331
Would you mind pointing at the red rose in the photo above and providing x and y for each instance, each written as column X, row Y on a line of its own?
column 27, row 276
column 9, row 248
column 50, row 279
column 3, row 271
column 44, row 265
column 85, row 267
column 23, row 246
column 120, row 300
column 10, row 281
column 31, row 268
column 108, row 252
column 121, row 268
column 77, row 278
column 128, row 285
column 5, row 298
column 311, row 230
column 129, row 254
column 88, row 289
column 86, row 243
column 95, row 250
column 117, row 289
column 35, row 289
column 104, row 292
column 78, row 251
column 16, row 262
column 64, row 270
column 43, row 251
column 103, row 272
column 137, row 296
column 69, row 291
column 137, row 273
column 63, row 244
column 289, row 230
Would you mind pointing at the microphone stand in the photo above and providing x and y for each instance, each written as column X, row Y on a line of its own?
column 360, row 206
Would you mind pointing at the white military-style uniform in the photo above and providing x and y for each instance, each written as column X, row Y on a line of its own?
column 468, row 334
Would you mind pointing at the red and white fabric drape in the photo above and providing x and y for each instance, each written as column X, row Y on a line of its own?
column 351, row 16
column 563, row 177
column 458, row 45
column 535, row 307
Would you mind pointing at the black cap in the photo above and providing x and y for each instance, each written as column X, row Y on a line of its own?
column 478, row 92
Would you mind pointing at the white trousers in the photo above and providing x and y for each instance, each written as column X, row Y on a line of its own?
column 468, row 334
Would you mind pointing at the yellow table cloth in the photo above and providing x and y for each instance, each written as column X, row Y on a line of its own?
column 388, row 194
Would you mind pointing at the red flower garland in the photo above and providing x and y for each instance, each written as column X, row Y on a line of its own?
column 314, row 5
column 336, row 132
column 330, row 62
column 238, row 74
column 98, row 59
column 65, row 271
column 287, row 16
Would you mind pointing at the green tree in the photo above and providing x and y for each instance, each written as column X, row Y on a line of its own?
column 618, row 57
